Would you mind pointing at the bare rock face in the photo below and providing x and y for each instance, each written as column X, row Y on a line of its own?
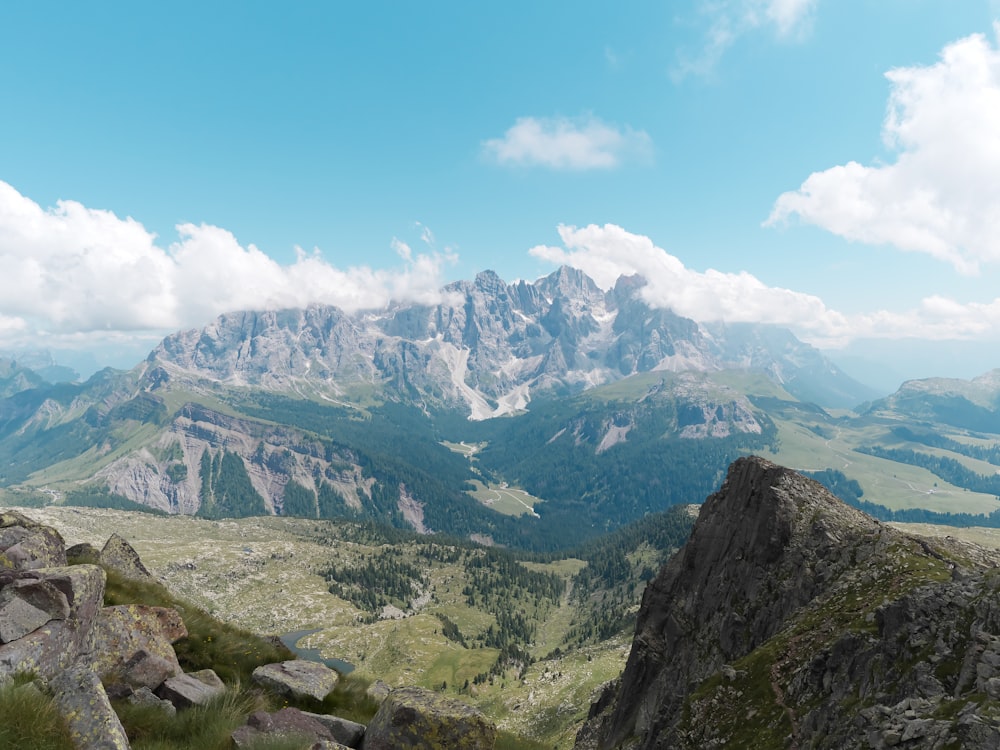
column 792, row 620
column 418, row 718
column 297, row 678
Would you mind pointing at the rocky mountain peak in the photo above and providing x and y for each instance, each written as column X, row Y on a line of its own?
column 777, row 609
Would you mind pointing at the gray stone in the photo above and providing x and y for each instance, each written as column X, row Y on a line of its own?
column 288, row 722
column 92, row 722
column 410, row 716
column 378, row 691
column 191, row 688
column 18, row 618
column 133, row 643
column 29, row 545
column 349, row 733
column 41, row 594
column 119, row 556
column 145, row 697
column 57, row 645
column 297, row 678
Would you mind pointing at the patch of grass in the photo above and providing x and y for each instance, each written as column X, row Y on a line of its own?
column 205, row 727
column 29, row 719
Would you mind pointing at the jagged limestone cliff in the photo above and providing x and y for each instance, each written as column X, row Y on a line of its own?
column 792, row 620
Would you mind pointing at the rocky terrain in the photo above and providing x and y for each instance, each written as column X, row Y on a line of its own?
column 792, row 620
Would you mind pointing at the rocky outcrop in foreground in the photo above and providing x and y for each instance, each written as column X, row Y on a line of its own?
column 54, row 627
column 791, row 620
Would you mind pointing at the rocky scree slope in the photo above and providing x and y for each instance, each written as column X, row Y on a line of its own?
column 792, row 620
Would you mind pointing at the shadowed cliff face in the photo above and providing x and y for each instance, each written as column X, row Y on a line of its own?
column 774, row 612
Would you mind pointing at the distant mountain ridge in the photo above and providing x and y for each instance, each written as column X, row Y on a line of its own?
column 491, row 347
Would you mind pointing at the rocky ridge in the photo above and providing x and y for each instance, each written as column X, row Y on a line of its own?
column 792, row 620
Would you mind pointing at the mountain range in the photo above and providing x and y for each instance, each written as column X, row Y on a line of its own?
column 529, row 414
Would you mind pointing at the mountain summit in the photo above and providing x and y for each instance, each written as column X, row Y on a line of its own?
column 792, row 620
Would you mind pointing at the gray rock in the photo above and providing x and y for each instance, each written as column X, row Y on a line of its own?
column 132, row 643
column 18, row 618
column 119, row 556
column 378, row 691
column 92, row 722
column 41, row 594
column 412, row 717
column 288, row 722
column 83, row 552
column 346, row 732
column 58, row 644
column 145, row 697
column 297, row 678
column 29, row 545
column 192, row 688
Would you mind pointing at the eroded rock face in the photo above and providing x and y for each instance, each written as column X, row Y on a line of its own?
column 418, row 718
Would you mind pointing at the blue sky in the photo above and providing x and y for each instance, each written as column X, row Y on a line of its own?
column 830, row 166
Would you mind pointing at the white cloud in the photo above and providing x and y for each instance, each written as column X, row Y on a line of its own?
column 728, row 20
column 606, row 252
column 941, row 196
column 73, row 274
column 571, row 144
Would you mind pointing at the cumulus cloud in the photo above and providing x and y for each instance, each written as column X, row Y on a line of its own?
column 728, row 20
column 607, row 252
column 569, row 144
column 941, row 195
column 73, row 273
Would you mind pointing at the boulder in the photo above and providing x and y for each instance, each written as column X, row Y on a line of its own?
column 133, row 643
column 191, row 688
column 83, row 552
column 119, row 556
column 145, row 697
column 286, row 723
column 92, row 722
column 417, row 718
column 346, row 732
column 297, row 678
column 56, row 645
column 378, row 691
column 28, row 545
